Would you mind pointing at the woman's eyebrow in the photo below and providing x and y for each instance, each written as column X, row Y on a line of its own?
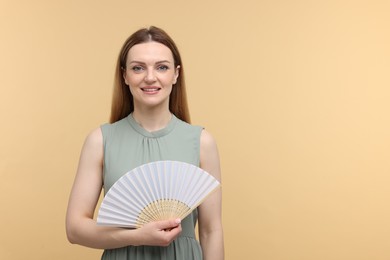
column 157, row 62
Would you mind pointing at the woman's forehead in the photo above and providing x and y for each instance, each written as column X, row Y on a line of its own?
column 149, row 51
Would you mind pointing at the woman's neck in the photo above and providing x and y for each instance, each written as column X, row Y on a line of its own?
column 152, row 121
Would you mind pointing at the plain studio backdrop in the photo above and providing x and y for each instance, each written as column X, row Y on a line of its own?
column 296, row 93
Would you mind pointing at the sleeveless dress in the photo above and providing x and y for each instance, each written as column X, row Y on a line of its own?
column 126, row 146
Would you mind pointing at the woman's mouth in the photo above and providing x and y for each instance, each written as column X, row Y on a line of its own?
column 150, row 89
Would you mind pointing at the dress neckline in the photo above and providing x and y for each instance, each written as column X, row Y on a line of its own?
column 154, row 134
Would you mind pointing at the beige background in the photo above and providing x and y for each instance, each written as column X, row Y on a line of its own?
column 295, row 92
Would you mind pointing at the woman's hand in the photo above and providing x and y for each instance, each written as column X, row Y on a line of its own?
column 159, row 233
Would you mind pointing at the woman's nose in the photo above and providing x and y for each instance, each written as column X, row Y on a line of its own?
column 150, row 75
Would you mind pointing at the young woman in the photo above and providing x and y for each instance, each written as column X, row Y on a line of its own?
column 149, row 122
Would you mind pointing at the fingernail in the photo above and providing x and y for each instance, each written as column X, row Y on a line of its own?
column 178, row 221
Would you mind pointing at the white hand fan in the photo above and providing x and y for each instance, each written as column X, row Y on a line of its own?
column 155, row 191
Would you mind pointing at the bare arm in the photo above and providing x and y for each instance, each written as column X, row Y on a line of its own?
column 210, row 219
column 80, row 225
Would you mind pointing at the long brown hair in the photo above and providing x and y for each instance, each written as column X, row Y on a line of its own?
column 122, row 100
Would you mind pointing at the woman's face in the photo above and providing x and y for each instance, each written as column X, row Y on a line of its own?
column 150, row 74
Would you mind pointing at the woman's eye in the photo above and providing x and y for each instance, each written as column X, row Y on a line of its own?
column 163, row 67
column 137, row 68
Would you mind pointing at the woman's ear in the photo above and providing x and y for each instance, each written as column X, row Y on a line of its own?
column 124, row 75
column 177, row 72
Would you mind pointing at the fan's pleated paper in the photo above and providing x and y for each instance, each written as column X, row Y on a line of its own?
column 155, row 191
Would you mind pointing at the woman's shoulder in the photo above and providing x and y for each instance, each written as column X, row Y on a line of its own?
column 207, row 140
column 94, row 139
column 188, row 126
column 108, row 129
column 114, row 124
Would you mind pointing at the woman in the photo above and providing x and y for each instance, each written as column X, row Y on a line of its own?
column 149, row 122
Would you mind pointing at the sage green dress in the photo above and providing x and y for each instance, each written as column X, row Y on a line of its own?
column 126, row 146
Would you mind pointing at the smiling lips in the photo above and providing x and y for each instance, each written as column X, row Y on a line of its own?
column 150, row 90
